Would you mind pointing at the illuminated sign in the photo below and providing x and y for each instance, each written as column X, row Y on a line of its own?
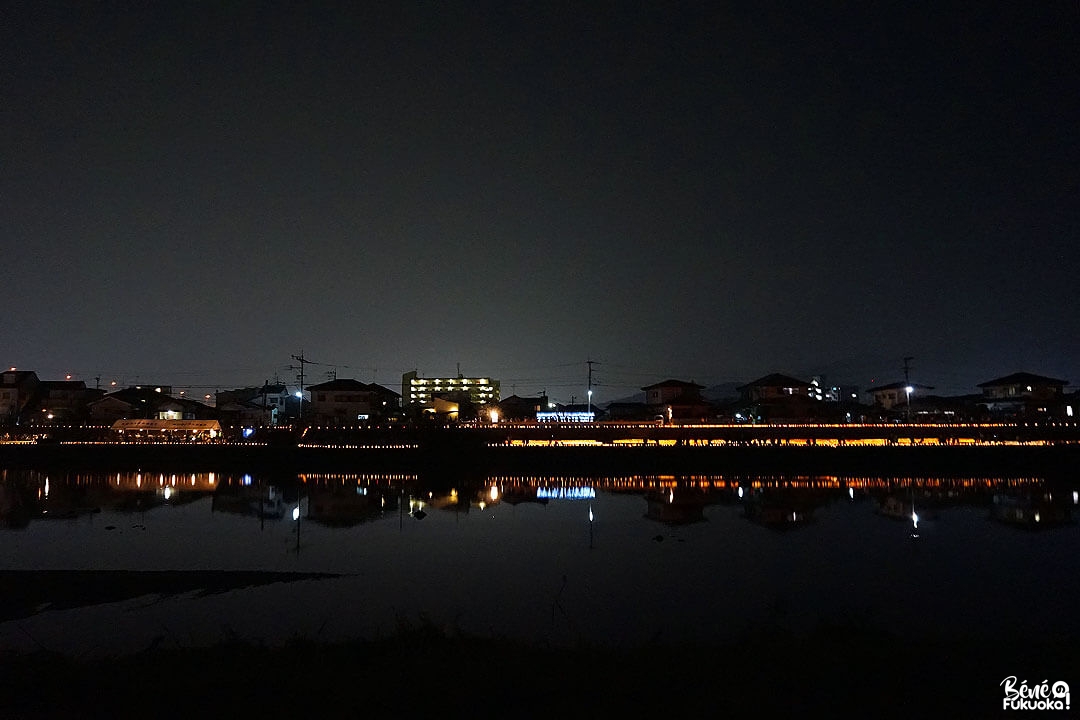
column 565, row 416
column 565, row 493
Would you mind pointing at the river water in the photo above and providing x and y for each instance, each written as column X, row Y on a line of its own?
column 614, row 561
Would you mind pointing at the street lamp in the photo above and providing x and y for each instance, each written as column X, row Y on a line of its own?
column 909, row 389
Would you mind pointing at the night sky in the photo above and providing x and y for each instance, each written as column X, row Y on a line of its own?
column 191, row 193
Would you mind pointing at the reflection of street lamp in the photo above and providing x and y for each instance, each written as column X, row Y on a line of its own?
column 296, row 519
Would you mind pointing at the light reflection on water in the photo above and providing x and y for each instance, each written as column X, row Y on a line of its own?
column 621, row 560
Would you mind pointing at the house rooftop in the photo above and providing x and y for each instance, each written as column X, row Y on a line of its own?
column 10, row 378
column 776, row 380
column 898, row 386
column 1023, row 378
column 674, row 383
column 341, row 384
column 353, row 385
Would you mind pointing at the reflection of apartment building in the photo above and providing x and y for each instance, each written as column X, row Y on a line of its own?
column 416, row 390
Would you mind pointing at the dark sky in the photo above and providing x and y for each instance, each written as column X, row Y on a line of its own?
column 192, row 193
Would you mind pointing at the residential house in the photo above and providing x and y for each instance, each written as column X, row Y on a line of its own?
column 149, row 402
column 522, row 408
column 775, row 387
column 58, row 401
column 677, row 400
column 345, row 401
column 266, row 404
column 896, row 395
column 1025, row 395
column 17, row 389
column 776, row 397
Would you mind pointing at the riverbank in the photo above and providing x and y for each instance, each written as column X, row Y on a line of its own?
column 451, row 457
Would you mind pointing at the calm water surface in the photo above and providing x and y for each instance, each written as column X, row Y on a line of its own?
column 614, row 561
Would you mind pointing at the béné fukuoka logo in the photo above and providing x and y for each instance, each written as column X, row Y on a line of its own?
column 1037, row 696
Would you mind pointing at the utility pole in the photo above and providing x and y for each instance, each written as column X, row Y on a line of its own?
column 907, row 384
column 303, row 361
column 590, row 363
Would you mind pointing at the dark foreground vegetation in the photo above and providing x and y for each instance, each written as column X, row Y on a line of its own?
column 424, row 671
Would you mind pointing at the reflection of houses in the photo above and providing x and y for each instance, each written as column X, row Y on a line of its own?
column 896, row 507
column 17, row 388
column 264, row 503
column 677, row 400
column 345, row 401
column 780, row 510
column 519, row 494
column 1028, row 511
column 1024, row 395
column 673, row 508
column 347, row 506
